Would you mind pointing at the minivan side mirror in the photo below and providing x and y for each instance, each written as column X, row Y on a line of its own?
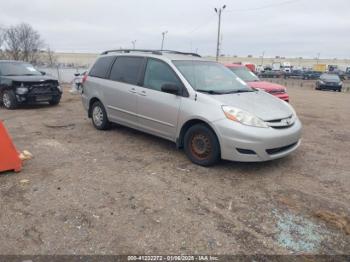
column 43, row 73
column 171, row 89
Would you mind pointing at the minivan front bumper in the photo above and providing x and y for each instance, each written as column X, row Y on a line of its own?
column 252, row 144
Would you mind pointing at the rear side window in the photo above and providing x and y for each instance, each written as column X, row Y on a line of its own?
column 101, row 67
column 127, row 69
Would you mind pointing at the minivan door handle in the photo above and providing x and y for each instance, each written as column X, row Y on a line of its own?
column 133, row 90
column 143, row 93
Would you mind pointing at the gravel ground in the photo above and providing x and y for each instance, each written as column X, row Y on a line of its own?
column 125, row 192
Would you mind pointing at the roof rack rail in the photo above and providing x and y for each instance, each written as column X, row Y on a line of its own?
column 155, row 52
column 179, row 52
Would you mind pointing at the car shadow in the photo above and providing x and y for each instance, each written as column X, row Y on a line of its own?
column 245, row 167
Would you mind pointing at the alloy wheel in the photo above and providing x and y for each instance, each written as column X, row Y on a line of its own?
column 97, row 115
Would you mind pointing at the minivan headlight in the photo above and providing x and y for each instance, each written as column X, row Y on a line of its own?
column 21, row 90
column 243, row 117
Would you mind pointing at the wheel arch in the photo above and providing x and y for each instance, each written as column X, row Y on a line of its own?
column 188, row 124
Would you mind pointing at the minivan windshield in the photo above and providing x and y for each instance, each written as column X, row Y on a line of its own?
column 211, row 77
column 245, row 74
column 17, row 69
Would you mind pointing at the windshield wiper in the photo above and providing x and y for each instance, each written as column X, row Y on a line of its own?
column 212, row 92
column 239, row 91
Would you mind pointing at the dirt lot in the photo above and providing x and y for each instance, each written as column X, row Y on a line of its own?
column 125, row 192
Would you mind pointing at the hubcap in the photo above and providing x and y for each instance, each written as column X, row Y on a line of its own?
column 6, row 100
column 97, row 115
column 200, row 146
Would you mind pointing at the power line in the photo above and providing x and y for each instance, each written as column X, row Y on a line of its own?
column 201, row 25
column 241, row 10
column 263, row 7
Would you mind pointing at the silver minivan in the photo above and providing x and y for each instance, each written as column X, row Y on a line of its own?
column 200, row 105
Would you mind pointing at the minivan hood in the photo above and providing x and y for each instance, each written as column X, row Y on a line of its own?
column 259, row 103
column 38, row 78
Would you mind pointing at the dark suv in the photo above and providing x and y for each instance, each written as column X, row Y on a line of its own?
column 21, row 83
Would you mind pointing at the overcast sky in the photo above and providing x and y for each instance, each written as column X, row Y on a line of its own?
column 278, row 27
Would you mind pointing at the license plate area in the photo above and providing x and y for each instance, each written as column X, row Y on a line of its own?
column 43, row 98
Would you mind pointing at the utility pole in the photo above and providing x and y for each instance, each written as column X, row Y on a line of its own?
column 318, row 57
column 219, row 11
column 133, row 44
column 262, row 58
column 163, row 37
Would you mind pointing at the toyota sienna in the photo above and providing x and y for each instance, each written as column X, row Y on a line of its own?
column 200, row 105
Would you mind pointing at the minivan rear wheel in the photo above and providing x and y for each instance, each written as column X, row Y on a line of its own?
column 99, row 116
column 201, row 145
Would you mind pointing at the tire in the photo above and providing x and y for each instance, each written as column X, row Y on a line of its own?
column 339, row 90
column 201, row 145
column 9, row 100
column 99, row 116
column 55, row 101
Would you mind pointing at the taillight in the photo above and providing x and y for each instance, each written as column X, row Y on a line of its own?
column 84, row 78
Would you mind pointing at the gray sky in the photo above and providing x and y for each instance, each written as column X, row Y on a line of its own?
column 278, row 27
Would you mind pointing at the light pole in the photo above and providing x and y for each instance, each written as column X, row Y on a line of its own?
column 262, row 58
column 219, row 11
column 318, row 57
column 133, row 44
column 163, row 37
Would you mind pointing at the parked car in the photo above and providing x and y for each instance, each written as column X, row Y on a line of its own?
column 272, row 74
column 329, row 82
column 347, row 73
column 340, row 73
column 253, row 81
column 198, row 104
column 21, row 83
column 295, row 74
column 311, row 75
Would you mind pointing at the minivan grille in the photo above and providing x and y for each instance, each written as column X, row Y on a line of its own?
column 281, row 123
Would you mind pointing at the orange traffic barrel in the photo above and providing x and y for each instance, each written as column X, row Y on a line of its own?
column 9, row 157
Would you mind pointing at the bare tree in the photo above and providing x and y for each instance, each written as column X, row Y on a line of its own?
column 12, row 43
column 1, row 42
column 51, row 57
column 22, row 42
column 1, row 36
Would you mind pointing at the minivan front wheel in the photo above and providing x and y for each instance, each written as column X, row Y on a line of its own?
column 201, row 145
column 99, row 116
